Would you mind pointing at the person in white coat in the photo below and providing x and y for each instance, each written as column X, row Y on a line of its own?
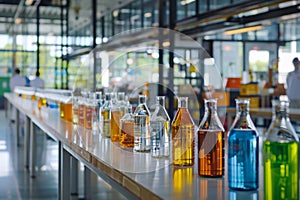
column 37, row 82
column 17, row 80
column 293, row 84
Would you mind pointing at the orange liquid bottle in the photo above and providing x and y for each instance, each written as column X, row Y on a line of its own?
column 211, row 142
column 68, row 112
column 183, row 135
column 115, row 126
column 127, row 129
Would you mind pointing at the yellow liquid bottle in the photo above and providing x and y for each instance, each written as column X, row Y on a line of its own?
column 106, row 116
column 183, row 135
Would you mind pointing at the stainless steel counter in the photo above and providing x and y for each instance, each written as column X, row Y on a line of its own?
column 137, row 175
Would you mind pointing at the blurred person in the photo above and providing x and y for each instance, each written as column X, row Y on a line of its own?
column 37, row 82
column 293, row 85
column 17, row 80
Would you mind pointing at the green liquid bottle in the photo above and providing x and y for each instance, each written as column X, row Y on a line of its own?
column 281, row 178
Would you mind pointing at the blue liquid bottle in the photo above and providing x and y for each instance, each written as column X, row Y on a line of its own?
column 242, row 150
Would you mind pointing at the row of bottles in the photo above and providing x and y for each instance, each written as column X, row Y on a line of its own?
column 146, row 132
column 280, row 153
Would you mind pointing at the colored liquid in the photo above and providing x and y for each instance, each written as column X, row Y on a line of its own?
column 44, row 102
column 106, row 122
column 141, row 133
column 61, row 110
column 127, row 132
column 68, row 112
column 160, row 138
column 115, row 126
column 281, row 179
column 243, row 159
column 183, row 139
column 33, row 97
column 40, row 102
column 211, row 153
column 88, row 117
column 81, row 114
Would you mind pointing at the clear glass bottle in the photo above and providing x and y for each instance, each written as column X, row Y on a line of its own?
column 98, row 99
column 95, row 110
column 242, row 150
column 160, row 127
column 183, row 137
column 127, row 129
column 142, row 126
column 75, row 109
column 106, row 116
column 211, row 142
column 115, row 119
column 88, row 124
column 81, row 110
column 281, row 151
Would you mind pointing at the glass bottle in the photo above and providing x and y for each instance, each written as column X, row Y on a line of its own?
column 160, row 127
column 115, row 120
column 142, row 126
column 98, row 99
column 281, row 150
column 81, row 110
column 183, row 138
column 88, row 112
column 127, row 129
column 106, row 116
column 95, row 112
column 211, row 142
column 242, row 150
column 75, row 109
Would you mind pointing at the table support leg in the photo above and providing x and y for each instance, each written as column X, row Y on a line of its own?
column 18, row 127
column 87, row 183
column 32, row 150
column 27, row 142
column 65, row 174
column 74, row 178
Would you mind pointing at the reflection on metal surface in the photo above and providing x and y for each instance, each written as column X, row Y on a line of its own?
column 249, row 195
column 183, row 180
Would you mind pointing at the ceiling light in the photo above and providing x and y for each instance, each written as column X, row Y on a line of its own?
column 185, row 2
column 18, row 20
column 28, row 2
column 148, row 14
column 115, row 13
column 166, row 44
column 243, row 30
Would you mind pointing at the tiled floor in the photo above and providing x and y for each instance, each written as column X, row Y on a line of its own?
column 15, row 182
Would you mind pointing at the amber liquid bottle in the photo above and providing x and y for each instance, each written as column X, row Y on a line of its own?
column 127, row 129
column 183, row 135
column 115, row 119
column 88, row 114
column 68, row 112
column 211, row 142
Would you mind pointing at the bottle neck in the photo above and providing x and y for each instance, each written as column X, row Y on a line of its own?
column 211, row 106
column 160, row 101
column 182, row 102
column 242, row 108
column 281, row 110
column 142, row 99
